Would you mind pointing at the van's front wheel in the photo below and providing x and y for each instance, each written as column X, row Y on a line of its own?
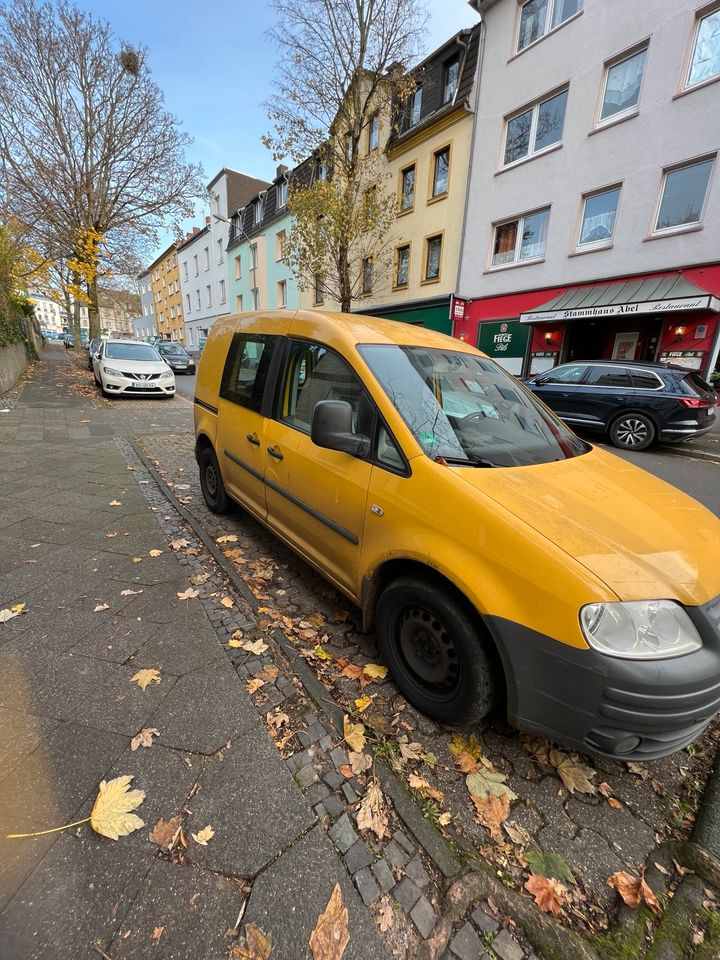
column 211, row 482
column 434, row 650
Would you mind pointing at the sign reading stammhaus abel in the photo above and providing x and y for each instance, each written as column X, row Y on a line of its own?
column 619, row 309
column 505, row 342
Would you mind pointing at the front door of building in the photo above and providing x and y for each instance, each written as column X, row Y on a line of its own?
column 585, row 341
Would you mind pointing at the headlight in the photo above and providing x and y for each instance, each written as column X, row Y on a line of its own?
column 639, row 629
column 113, row 372
column 166, row 374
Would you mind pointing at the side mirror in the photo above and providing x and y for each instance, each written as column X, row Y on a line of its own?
column 332, row 428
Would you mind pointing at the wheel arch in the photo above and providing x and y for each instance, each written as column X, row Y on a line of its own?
column 202, row 442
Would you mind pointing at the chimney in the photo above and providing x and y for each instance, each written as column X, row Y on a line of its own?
column 280, row 171
column 207, row 221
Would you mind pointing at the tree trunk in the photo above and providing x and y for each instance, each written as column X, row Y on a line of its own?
column 93, row 308
column 74, row 319
column 344, row 282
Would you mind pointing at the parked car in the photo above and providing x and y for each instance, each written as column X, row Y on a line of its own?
column 131, row 367
column 68, row 340
column 632, row 403
column 92, row 347
column 502, row 560
column 176, row 356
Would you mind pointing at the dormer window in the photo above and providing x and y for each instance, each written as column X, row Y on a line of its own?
column 282, row 194
column 259, row 210
column 451, row 70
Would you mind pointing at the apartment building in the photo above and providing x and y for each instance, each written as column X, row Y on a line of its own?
column 592, row 227
column 144, row 324
column 48, row 312
column 167, row 296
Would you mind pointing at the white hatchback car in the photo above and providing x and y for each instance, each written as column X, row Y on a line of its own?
column 132, row 367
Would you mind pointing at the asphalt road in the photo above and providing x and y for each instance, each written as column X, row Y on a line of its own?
column 185, row 385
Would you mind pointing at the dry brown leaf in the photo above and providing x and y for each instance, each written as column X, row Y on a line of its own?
column 372, row 814
column 202, row 837
column 179, row 544
column 605, row 789
column 255, row 945
column 144, row 738
column 257, row 647
column 269, row 673
column 549, row 894
column 136, row 559
column 110, row 815
column 517, row 834
column 359, row 762
column 157, row 933
column 634, row 890
column 422, row 786
column 352, row 671
column 101, row 606
column 492, row 812
column 233, row 553
column 252, row 686
column 228, row 538
column 227, row 602
column 130, row 593
column 188, row 594
column 575, row 775
column 386, row 915
column 615, row 804
column 115, row 503
column 639, row 769
column 154, row 553
column 354, row 734
column 331, row 935
column 165, row 833
column 410, row 751
column 199, row 579
column 144, row 677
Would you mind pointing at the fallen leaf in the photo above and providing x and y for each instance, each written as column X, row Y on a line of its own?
column 634, row 890
column 362, row 703
column 145, row 677
column 166, row 832
column 101, row 606
column 639, row 769
column 113, row 533
column 492, row 811
column 549, row 894
column 680, row 870
column 228, row 538
column 575, row 775
column 549, row 865
column 331, row 935
column 268, row 673
column 375, row 671
column 486, row 783
column 115, row 503
column 252, row 686
column 179, row 544
column 372, row 814
column 144, row 738
column 234, row 554
column 359, row 762
column 322, row 654
column 188, row 594
column 235, row 642
column 353, row 734
column 422, row 786
column 255, row 945
column 605, row 789
column 661, row 869
column 444, row 819
column 110, row 815
column 352, row 671
column 154, row 553
column 129, row 593
column 157, row 933
column 9, row 614
column 227, row 602
column 519, row 835
column 257, row 647
column 467, row 752
column 386, row 915
column 316, row 620
column 207, row 833
column 408, row 751
column 137, row 559
column 200, row 578
column 615, row 804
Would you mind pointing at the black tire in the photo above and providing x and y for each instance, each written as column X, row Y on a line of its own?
column 632, row 431
column 211, row 482
column 435, row 651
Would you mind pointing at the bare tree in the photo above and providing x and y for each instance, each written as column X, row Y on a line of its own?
column 342, row 68
column 89, row 152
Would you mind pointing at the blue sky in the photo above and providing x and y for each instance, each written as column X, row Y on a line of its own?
column 215, row 67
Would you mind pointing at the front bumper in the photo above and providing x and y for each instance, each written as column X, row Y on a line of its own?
column 138, row 388
column 623, row 709
column 188, row 368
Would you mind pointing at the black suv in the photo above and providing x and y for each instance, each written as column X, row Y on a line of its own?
column 633, row 403
column 176, row 356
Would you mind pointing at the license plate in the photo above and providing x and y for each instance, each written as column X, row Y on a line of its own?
column 181, row 366
column 142, row 385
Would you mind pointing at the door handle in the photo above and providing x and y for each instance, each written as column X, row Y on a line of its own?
column 252, row 438
column 565, row 394
column 274, row 452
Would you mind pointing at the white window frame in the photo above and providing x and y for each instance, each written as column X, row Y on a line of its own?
column 607, row 241
column 259, row 210
column 282, row 194
column 694, row 224
column 221, row 252
column 197, row 265
column 238, row 266
column 206, row 251
column 282, row 293
column 208, row 295
column 702, row 14
column 222, row 290
column 516, row 261
column 189, row 307
column 547, row 29
column 535, row 107
column 615, row 61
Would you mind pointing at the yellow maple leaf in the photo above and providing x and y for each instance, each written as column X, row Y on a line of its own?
column 202, row 837
column 155, row 553
column 137, row 559
column 145, row 677
column 354, row 734
column 235, row 642
column 110, row 815
column 17, row 608
column 252, row 686
column 228, row 538
column 362, row 703
column 375, row 671
column 322, row 653
column 227, row 602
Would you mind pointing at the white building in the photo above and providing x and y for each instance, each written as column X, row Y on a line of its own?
column 593, row 220
column 50, row 315
column 144, row 325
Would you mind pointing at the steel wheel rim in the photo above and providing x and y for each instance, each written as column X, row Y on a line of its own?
column 631, row 432
column 427, row 652
column 211, row 481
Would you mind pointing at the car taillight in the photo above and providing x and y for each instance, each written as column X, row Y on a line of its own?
column 695, row 402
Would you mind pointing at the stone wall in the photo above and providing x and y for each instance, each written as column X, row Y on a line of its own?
column 13, row 361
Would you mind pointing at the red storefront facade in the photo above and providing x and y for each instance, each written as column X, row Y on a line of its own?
column 677, row 320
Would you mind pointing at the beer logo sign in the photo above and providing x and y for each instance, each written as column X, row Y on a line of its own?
column 503, row 328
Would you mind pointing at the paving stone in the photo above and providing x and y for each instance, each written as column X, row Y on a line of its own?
column 325, row 744
column 383, row 875
column 396, row 855
column 350, row 795
column 317, row 792
column 406, row 844
column 306, row 775
column 357, row 857
column 484, row 921
column 333, row 779
column 406, row 894
column 342, row 834
column 367, row 888
column 334, row 805
column 506, row 946
column 466, row 944
column 424, row 917
column 320, row 811
column 338, row 757
column 416, row 871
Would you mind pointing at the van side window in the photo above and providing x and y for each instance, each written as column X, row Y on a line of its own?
column 246, row 369
column 315, row 373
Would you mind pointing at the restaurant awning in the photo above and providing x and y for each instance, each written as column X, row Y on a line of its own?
column 636, row 297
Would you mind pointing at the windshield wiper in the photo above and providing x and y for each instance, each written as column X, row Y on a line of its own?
column 461, row 462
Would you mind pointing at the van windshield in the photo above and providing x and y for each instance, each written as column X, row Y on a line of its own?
column 467, row 409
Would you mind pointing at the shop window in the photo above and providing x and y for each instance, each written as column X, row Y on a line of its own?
column 705, row 60
column 623, row 80
column 402, row 266
column 407, row 188
column 441, row 170
column 539, row 17
column 683, row 195
column 521, row 239
column 536, row 128
column 598, row 219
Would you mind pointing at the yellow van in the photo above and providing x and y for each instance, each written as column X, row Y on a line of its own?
column 502, row 561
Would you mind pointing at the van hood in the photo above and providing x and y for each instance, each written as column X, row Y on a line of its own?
column 642, row 537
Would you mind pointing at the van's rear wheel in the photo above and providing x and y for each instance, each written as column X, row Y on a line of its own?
column 435, row 651
column 211, row 482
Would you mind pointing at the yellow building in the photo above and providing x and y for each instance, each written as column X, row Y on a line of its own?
column 167, row 297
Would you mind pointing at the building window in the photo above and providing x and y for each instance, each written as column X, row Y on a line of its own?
column 520, row 239
column 622, row 86
column 598, row 219
column 185, row 269
column 191, row 336
column 238, row 267
column 407, row 188
column 536, row 128
column 705, row 60
column 197, row 269
column 259, row 210
column 206, row 253
column 199, row 302
column 451, row 69
column 280, row 238
column 683, row 195
column 281, row 297
column 433, row 253
column 318, row 295
column 367, row 275
column 208, row 295
column 220, row 252
column 253, row 256
column 373, row 133
column 281, row 194
column 222, row 291
column 238, row 303
column 414, row 106
column 322, row 169
column 349, row 148
column 402, row 267
column 187, row 301
column 441, row 169
column 539, row 17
